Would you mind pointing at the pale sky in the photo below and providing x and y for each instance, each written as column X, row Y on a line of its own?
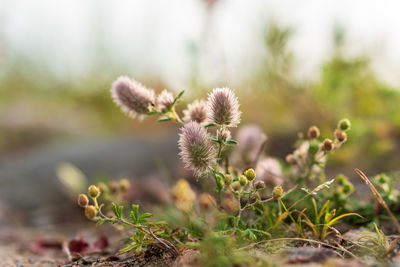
column 153, row 37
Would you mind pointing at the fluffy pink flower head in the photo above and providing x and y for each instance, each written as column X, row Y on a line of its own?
column 197, row 111
column 165, row 100
column 132, row 97
column 197, row 151
column 223, row 107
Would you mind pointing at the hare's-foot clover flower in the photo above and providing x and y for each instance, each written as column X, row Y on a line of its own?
column 132, row 97
column 196, row 111
column 183, row 196
column 165, row 101
column 223, row 107
column 197, row 151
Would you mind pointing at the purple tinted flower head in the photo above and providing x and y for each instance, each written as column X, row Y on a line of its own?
column 165, row 100
column 132, row 97
column 223, row 107
column 197, row 111
column 197, row 151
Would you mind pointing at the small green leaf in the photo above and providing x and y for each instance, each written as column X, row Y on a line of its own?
column 114, row 208
column 153, row 112
column 214, row 139
column 209, row 125
column 135, row 209
column 120, row 210
column 232, row 142
column 164, row 119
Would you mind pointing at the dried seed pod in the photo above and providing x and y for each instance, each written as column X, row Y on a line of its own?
column 313, row 132
column 259, row 185
column 91, row 212
column 327, row 145
column 83, row 200
column 340, row 136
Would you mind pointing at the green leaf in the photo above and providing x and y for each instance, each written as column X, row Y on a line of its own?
column 176, row 100
column 209, row 125
column 146, row 215
column 232, row 142
column 164, row 119
column 120, row 210
column 135, row 209
column 214, row 139
column 153, row 112
column 114, row 208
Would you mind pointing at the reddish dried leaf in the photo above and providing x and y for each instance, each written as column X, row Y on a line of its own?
column 78, row 245
column 101, row 242
column 42, row 245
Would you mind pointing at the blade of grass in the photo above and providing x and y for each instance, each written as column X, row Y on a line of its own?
column 378, row 196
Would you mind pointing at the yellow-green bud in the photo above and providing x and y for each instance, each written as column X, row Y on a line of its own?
column 313, row 132
column 228, row 179
column 236, row 186
column 94, row 191
column 102, row 187
column 90, row 211
column 83, row 200
column 341, row 179
column 327, row 145
column 250, row 174
column 242, row 180
column 277, row 192
column 124, row 185
column 348, row 188
column 259, row 185
column 344, row 124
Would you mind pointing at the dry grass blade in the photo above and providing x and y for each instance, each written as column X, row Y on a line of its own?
column 378, row 196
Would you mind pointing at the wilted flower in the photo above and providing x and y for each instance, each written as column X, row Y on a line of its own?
column 183, row 195
column 197, row 111
column 223, row 107
column 165, row 100
column 132, row 97
column 313, row 132
column 269, row 170
column 197, row 151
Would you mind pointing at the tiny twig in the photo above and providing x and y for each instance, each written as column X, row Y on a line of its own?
column 378, row 196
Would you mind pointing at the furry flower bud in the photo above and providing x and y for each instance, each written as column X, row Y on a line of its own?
column 132, row 97
column 277, row 192
column 197, row 151
column 223, row 107
column 165, row 101
column 83, row 200
column 94, row 191
column 197, row 111
column 313, row 132
column 90, row 212
column 327, row 145
column 250, row 174
column 344, row 124
column 223, row 135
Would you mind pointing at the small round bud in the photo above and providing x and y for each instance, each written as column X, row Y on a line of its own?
column 327, row 145
column 383, row 179
column 94, row 191
column 277, row 192
column 313, row 148
column 124, row 185
column 206, row 201
column 223, row 135
column 290, row 159
column 250, row 174
column 228, row 179
column 83, row 200
column 348, row 188
column 236, row 186
column 341, row 179
column 344, row 124
column 102, row 187
column 259, row 185
column 90, row 212
column 114, row 187
column 313, row 132
column 242, row 180
column 340, row 136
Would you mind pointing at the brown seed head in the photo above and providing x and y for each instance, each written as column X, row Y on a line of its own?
column 91, row 212
column 340, row 136
column 327, row 145
column 83, row 200
column 277, row 192
column 94, row 191
column 313, row 132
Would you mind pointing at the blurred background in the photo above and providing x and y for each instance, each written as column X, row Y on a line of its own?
column 293, row 64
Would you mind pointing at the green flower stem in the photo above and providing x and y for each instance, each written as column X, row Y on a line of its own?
column 165, row 243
